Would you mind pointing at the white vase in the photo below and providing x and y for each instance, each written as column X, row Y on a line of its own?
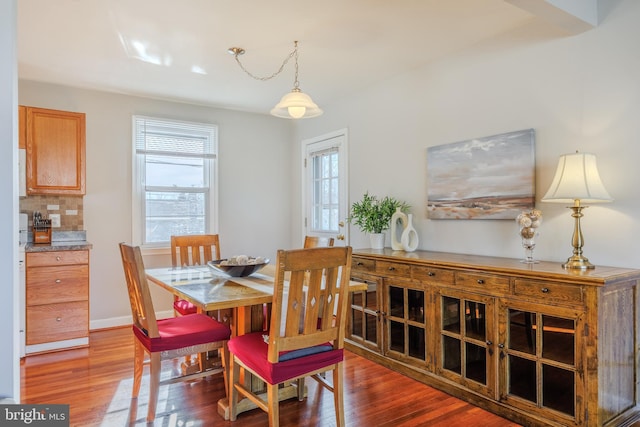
column 409, row 238
column 377, row 240
column 398, row 224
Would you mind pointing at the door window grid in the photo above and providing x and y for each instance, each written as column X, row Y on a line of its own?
column 325, row 205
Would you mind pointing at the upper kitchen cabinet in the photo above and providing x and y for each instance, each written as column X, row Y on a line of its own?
column 55, row 148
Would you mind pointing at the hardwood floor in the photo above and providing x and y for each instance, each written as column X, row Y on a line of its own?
column 97, row 382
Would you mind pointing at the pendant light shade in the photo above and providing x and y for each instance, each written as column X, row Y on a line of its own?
column 296, row 105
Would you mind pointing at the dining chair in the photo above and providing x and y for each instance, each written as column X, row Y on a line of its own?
column 166, row 338
column 297, row 345
column 309, row 242
column 196, row 249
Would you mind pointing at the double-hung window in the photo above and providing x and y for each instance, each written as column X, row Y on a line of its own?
column 174, row 178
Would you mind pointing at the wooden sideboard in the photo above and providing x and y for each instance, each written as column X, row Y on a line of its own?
column 534, row 343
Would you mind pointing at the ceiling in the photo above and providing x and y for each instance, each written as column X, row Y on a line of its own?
column 177, row 50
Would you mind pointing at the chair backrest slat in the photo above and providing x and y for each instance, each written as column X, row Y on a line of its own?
column 144, row 316
column 317, row 242
column 196, row 249
column 317, row 287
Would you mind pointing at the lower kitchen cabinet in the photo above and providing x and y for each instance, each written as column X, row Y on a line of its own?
column 57, row 300
column 537, row 344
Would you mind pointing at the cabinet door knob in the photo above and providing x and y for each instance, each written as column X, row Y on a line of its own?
column 431, row 274
column 544, row 290
column 500, row 345
column 58, row 319
column 480, row 281
column 58, row 258
column 58, row 281
column 489, row 342
column 391, row 268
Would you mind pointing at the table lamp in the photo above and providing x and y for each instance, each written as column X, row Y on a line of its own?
column 577, row 181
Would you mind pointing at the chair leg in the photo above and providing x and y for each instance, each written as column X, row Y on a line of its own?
column 154, row 385
column 138, row 366
column 273, row 405
column 301, row 389
column 224, row 359
column 338, row 397
column 232, row 393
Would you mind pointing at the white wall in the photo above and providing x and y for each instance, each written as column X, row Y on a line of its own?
column 578, row 93
column 9, row 360
column 254, row 195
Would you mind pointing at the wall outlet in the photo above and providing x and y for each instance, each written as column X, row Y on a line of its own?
column 55, row 220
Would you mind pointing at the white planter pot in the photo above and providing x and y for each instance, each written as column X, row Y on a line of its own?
column 377, row 240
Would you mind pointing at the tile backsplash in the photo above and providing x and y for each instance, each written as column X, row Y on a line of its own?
column 70, row 209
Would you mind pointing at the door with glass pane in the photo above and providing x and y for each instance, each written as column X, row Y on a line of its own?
column 325, row 187
column 465, row 348
column 363, row 324
column 407, row 320
column 541, row 361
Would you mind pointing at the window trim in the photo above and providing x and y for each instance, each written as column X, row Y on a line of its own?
column 137, row 192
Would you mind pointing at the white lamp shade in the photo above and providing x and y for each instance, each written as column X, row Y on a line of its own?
column 577, row 178
column 296, row 105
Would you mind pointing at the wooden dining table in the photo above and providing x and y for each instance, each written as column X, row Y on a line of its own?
column 246, row 297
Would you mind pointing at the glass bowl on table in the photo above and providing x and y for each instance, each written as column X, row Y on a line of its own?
column 238, row 266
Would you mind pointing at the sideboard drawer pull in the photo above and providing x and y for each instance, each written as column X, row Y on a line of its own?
column 392, row 268
column 58, row 258
column 431, row 274
column 58, row 281
column 480, row 281
column 359, row 263
column 58, row 319
column 545, row 290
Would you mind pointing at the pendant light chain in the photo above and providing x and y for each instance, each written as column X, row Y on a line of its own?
column 293, row 53
column 296, row 83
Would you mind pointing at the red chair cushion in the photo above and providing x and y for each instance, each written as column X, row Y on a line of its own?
column 183, row 331
column 184, row 307
column 252, row 351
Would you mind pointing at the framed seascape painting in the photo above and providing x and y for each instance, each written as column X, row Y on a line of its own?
column 484, row 178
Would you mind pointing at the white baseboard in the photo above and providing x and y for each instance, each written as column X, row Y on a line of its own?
column 114, row 322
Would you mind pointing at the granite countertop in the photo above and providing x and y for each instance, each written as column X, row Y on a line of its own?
column 77, row 245
column 61, row 241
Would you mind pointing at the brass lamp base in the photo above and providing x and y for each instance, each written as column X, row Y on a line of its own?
column 578, row 263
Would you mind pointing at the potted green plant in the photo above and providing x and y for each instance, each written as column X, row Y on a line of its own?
column 373, row 215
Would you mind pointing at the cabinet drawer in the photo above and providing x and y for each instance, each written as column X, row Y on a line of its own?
column 56, row 322
column 393, row 269
column 546, row 290
column 37, row 259
column 433, row 275
column 363, row 264
column 47, row 285
column 484, row 282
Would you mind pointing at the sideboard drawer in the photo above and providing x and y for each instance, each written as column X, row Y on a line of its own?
column 57, row 322
column 57, row 284
column 545, row 290
column 393, row 269
column 484, row 282
column 362, row 265
column 38, row 259
column 433, row 275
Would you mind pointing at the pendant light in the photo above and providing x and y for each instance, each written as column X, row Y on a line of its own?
column 295, row 104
